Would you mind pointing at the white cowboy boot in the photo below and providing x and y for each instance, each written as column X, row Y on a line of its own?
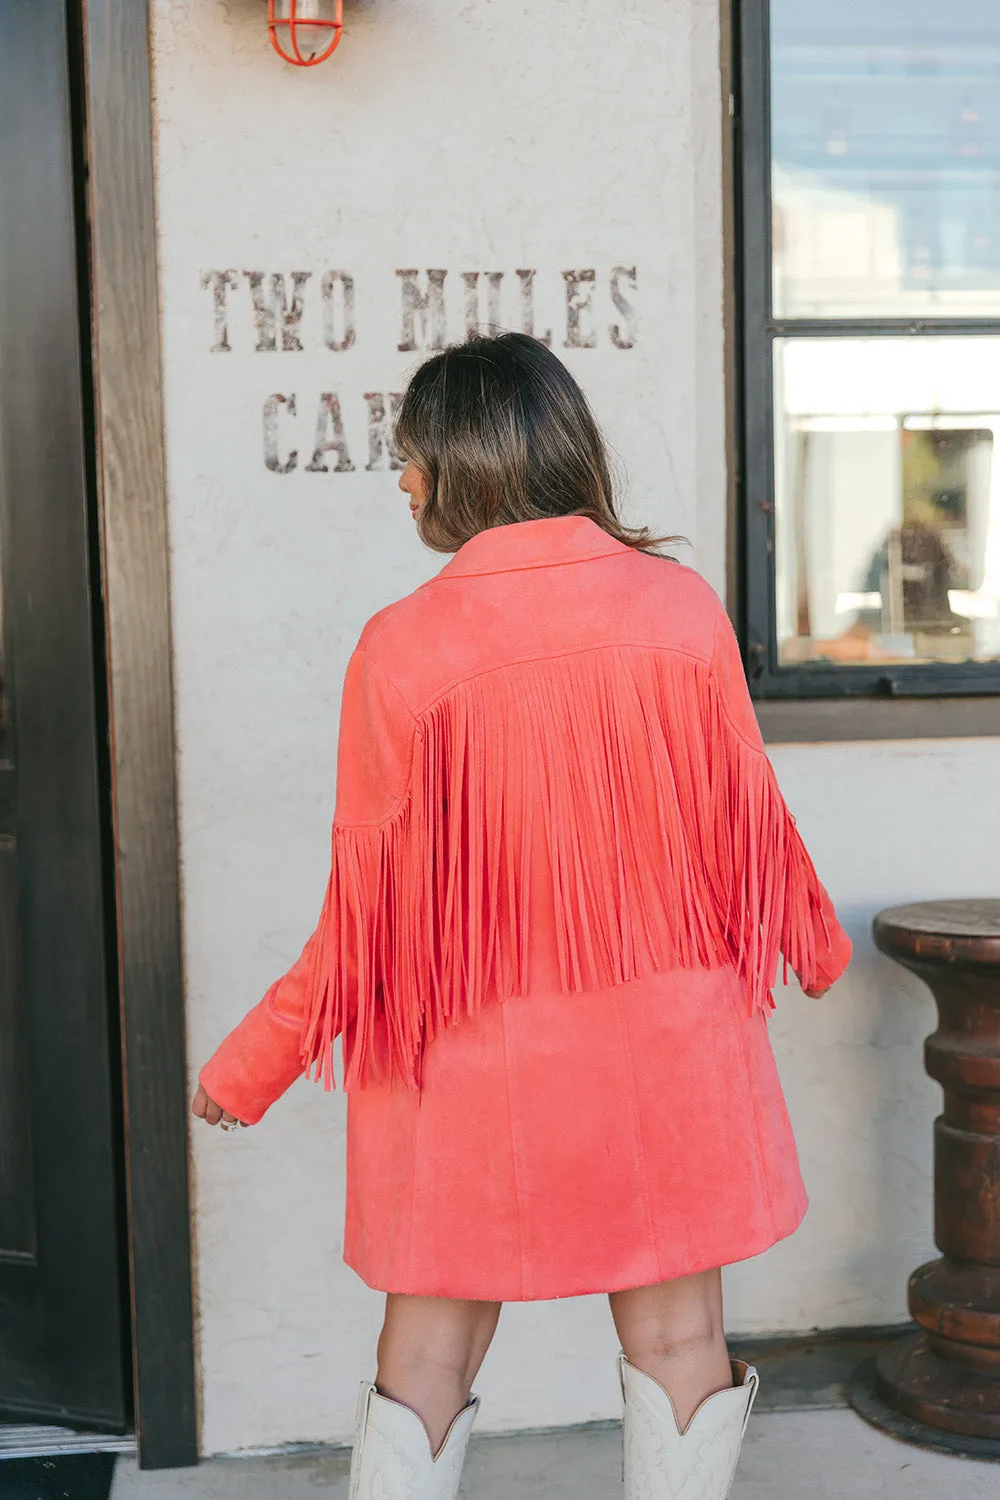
column 392, row 1457
column 696, row 1464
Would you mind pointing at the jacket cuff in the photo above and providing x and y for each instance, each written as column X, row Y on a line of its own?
column 255, row 1064
column 831, row 963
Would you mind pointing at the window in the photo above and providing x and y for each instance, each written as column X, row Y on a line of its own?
column 870, row 295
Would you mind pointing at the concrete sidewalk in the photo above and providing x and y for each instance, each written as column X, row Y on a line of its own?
column 802, row 1455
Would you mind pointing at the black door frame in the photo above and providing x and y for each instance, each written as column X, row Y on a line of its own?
column 132, row 513
column 63, row 1354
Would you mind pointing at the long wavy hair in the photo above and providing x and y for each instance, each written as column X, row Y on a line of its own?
column 503, row 433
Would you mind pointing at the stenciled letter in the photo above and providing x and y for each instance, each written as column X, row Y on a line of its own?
column 271, row 459
column 427, row 306
column 220, row 283
column 338, row 342
column 579, row 300
column 382, row 450
column 330, row 437
column 623, row 335
column 527, row 301
column 473, row 323
column 271, row 309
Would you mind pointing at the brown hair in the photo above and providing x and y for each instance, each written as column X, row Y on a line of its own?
column 503, row 433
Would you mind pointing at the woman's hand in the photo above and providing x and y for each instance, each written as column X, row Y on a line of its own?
column 206, row 1109
column 818, row 994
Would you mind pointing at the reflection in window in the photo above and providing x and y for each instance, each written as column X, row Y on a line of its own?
column 887, row 469
column 885, row 120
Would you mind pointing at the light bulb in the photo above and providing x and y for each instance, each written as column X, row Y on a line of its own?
column 310, row 38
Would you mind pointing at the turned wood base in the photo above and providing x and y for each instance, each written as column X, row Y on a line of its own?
column 915, row 1379
column 947, row 1373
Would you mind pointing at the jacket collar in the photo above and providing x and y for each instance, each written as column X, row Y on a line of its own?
column 532, row 544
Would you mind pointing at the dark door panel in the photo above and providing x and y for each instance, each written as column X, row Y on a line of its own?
column 17, row 1192
column 61, row 1274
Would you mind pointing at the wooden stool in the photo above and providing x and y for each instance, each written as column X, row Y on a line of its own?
column 947, row 1375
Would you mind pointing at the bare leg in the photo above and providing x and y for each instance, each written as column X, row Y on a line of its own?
column 430, row 1352
column 673, row 1332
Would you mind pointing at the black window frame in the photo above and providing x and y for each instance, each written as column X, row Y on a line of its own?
column 758, row 330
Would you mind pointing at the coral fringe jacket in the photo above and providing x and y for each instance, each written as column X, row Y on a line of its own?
column 563, row 879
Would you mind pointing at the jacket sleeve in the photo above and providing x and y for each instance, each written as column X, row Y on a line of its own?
column 261, row 1057
column 268, row 1051
column 803, row 922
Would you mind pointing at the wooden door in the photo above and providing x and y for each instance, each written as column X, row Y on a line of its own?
column 62, row 1338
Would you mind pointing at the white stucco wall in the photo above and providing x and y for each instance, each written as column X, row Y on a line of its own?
column 469, row 136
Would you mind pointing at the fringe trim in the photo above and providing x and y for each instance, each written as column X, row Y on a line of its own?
column 666, row 840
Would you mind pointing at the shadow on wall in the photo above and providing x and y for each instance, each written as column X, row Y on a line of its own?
column 897, row 1012
column 862, row 1109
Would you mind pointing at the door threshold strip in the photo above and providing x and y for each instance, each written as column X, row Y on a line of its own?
column 23, row 1441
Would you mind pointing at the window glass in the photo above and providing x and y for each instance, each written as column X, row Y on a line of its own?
column 887, row 500
column 885, row 119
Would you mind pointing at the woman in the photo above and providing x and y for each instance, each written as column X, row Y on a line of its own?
column 562, row 876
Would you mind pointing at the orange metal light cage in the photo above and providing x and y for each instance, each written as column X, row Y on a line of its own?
column 288, row 48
